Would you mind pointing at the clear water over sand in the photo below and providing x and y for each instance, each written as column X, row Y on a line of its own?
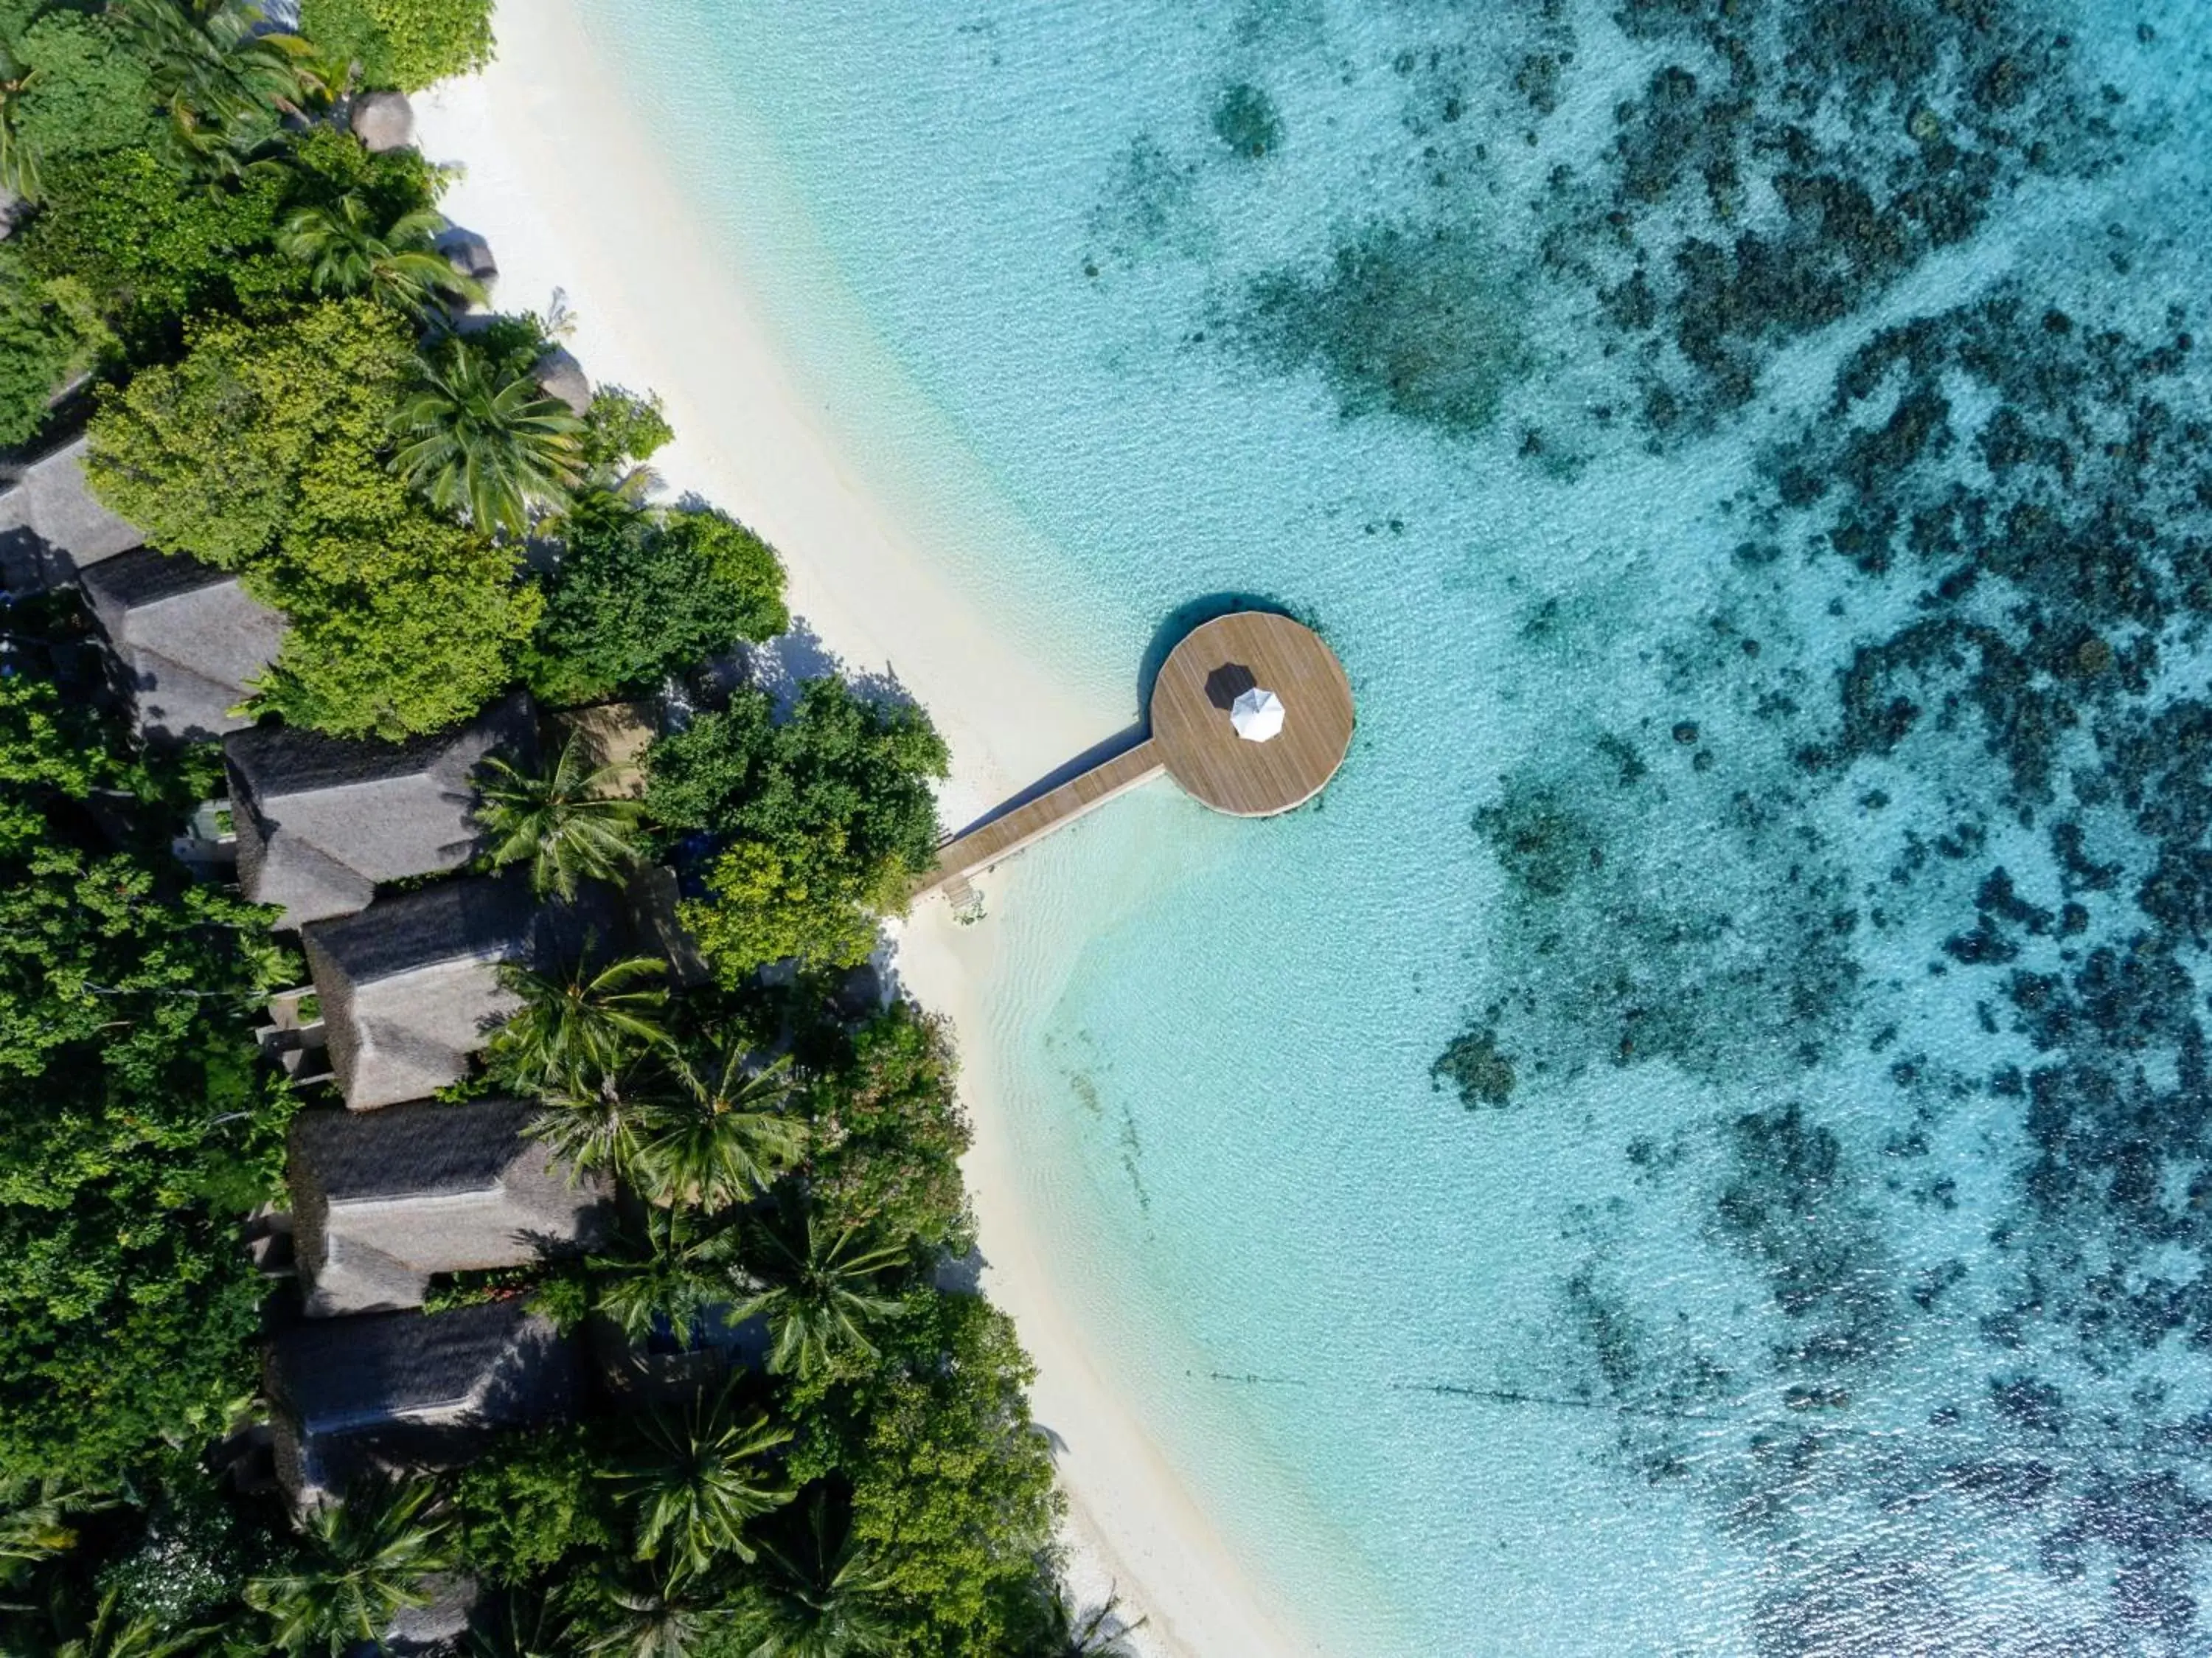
column 1701, row 1141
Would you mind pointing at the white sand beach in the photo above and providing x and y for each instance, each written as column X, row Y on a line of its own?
column 561, row 178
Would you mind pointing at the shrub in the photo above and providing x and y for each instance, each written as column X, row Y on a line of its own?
column 828, row 817
column 529, row 1501
column 621, row 427
column 264, row 451
column 135, row 1124
column 639, row 596
column 401, row 43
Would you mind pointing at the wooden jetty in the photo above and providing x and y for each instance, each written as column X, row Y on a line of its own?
column 1193, row 740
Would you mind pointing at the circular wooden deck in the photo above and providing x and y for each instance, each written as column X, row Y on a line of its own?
column 1207, row 671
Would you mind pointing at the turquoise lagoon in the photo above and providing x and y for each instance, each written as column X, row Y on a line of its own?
column 1701, row 1141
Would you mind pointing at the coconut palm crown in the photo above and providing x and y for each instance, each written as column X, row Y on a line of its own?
column 223, row 79
column 575, row 1030
column 696, row 1478
column 821, row 1289
column 567, row 821
column 720, row 1137
column 346, row 252
column 815, row 1594
column 362, row 1562
column 486, row 439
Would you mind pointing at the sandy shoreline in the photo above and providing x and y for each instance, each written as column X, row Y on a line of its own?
column 545, row 142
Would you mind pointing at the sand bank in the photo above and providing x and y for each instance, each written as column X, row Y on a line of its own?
column 574, row 197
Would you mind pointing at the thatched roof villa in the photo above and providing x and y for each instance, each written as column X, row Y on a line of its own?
column 186, row 639
column 50, row 526
column 410, row 987
column 322, row 821
column 400, row 1391
column 383, row 1200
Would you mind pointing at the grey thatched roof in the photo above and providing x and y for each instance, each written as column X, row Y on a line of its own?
column 382, row 120
column 382, row 1200
column 51, row 527
column 322, row 821
column 410, row 987
column 560, row 376
column 405, row 1390
column 186, row 638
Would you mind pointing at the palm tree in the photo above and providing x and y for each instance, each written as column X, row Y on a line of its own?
column 222, row 79
column 19, row 161
column 111, row 1634
column 1065, row 1632
column 488, row 440
column 524, row 1627
column 568, row 821
column 721, row 1137
column 821, row 1290
column 38, row 1519
column 696, row 1479
column 575, row 1031
column 364, row 1562
column 652, row 1612
column 589, row 1129
column 814, row 1596
column 672, row 1267
column 346, row 252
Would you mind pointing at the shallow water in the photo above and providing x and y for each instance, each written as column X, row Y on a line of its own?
column 1700, row 1142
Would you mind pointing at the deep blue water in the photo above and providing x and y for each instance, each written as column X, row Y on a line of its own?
column 1701, row 1142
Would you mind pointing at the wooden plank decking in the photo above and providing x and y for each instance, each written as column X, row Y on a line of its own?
column 1194, row 741
column 1202, row 678
column 1003, row 836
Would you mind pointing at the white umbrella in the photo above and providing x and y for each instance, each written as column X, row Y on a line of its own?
column 1257, row 715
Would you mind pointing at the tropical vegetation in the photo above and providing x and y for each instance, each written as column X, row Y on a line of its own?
column 287, row 379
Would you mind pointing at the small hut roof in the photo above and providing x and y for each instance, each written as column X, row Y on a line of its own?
column 383, row 1200
column 51, row 526
column 383, row 121
column 186, row 637
column 322, row 821
column 412, row 1390
column 410, row 987
column 559, row 374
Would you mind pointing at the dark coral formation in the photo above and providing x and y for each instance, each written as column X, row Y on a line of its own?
column 1414, row 321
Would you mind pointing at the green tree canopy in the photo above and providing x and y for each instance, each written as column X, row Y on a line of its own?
column 135, row 1126
column 264, row 451
column 888, row 1131
column 640, row 594
column 401, row 43
column 256, row 429
column 533, row 1499
column 952, row 1484
column 83, row 94
column 826, row 818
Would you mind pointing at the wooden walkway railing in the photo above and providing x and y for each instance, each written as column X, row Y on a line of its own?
column 1006, row 834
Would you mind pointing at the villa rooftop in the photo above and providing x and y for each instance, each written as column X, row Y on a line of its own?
column 52, row 528
column 410, row 987
column 322, row 821
column 187, row 640
column 403, row 1392
column 382, row 1201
